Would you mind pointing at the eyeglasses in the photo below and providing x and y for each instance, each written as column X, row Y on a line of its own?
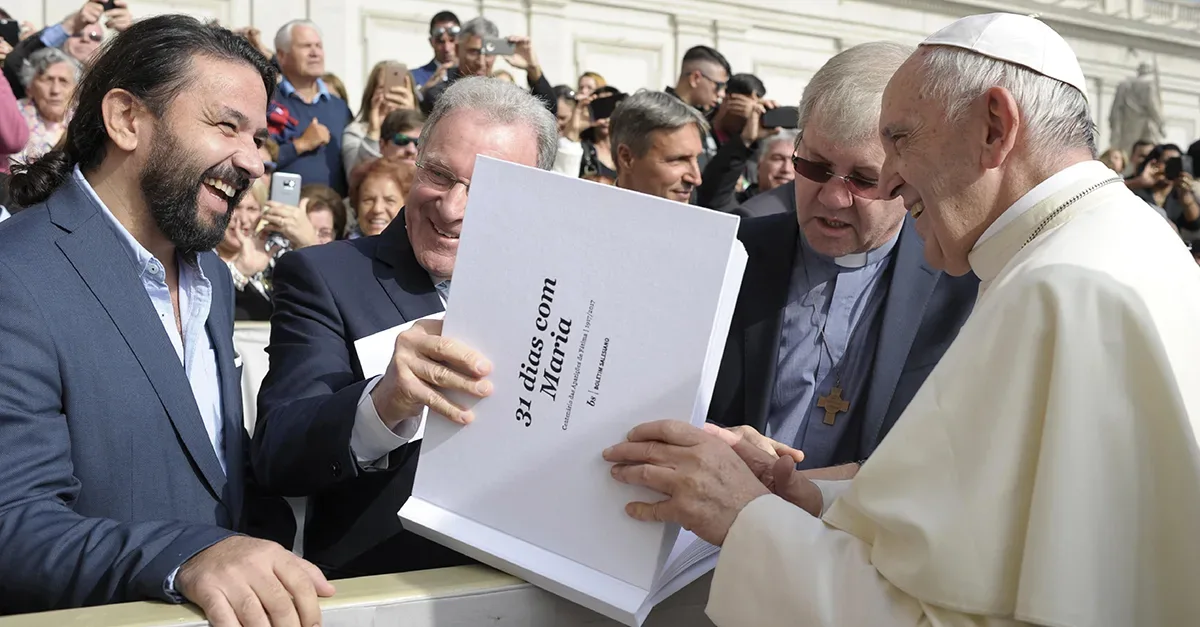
column 718, row 84
column 817, row 173
column 859, row 186
column 402, row 140
column 440, row 178
column 437, row 33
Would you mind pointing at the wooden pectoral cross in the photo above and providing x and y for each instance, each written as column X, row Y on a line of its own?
column 833, row 404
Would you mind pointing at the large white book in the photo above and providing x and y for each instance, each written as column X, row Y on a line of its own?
column 600, row 309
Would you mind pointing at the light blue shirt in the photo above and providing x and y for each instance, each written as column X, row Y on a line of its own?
column 194, row 348
column 54, row 36
column 288, row 89
column 845, row 299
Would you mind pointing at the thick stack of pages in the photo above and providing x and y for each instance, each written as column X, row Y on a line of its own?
column 600, row 309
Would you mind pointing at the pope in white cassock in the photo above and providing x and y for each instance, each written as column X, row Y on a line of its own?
column 1047, row 472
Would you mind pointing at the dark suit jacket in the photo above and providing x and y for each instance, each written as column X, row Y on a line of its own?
column 540, row 88
column 326, row 297
column 109, row 481
column 921, row 316
column 782, row 199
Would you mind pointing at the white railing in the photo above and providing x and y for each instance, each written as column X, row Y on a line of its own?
column 1166, row 11
column 1176, row 14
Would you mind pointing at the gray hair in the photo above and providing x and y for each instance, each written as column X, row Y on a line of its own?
column 40, row 61
column 479, row 27
column 1055, row 114
column 641, row 114
column 847, row 92
column 765, row 144
column 283, row 38
column 499, row 102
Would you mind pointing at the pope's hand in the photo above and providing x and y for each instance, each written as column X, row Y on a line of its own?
column 776, row 472
column 706, row 483
column 757, row 440
column 424, row 366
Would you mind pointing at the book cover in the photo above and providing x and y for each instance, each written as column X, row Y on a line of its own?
column 600, row 309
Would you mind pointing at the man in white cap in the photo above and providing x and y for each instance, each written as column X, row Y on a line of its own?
column 1047, row 472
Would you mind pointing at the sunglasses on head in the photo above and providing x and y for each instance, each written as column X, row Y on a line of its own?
column 444, row 30
column 402, row 140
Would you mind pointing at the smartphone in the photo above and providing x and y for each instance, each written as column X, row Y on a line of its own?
column 498, row 46
column 285, row 188
column 1174, row 167
column 395, row 74
column 11, row 31
column 781, row 117
column 602, row 108
column 109, row 5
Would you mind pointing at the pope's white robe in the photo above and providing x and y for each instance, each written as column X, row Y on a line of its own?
column 1047, row 472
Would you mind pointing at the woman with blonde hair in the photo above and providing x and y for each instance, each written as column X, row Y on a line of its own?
column 360, row 141
column 589, row 82
column 1115, row 158
column 250, row 251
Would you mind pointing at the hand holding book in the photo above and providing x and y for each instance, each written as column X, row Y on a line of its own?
column 424, row 367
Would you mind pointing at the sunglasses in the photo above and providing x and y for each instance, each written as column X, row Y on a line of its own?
column 862, row 187
column 716, row 83
column 402, row 140
column 445, row 30
column 91, row 36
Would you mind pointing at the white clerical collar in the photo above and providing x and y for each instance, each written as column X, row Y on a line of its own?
column 1042, row 191
column 857, row 260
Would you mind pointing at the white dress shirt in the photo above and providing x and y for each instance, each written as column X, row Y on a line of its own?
column 370, row 439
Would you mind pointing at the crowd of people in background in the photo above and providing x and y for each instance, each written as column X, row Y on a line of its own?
column 184, row 175
column 700, row 140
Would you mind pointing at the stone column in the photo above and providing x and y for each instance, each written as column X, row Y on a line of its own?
column 553, row 41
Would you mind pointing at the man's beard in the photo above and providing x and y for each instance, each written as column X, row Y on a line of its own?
column 171, row 183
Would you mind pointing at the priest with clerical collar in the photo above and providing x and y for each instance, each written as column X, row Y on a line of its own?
column 1048, row 470
column 839, row 319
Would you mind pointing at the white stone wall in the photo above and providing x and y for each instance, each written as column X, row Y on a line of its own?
column 638, row 43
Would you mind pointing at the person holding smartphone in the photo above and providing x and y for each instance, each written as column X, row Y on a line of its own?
column 79, row 35
column 477, row 46
column 597, row 163
column 1166, row 185
column 389, row 88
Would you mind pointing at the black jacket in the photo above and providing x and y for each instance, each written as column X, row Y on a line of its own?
column 540, row 88
column 326, row 297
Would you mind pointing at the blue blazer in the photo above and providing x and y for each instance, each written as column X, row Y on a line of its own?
column 108, row 480
column 922, row 313
column 326, row 297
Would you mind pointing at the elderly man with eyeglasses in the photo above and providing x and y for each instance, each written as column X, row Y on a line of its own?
column 79, row 35
column 839, row 319
column 327, row 431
